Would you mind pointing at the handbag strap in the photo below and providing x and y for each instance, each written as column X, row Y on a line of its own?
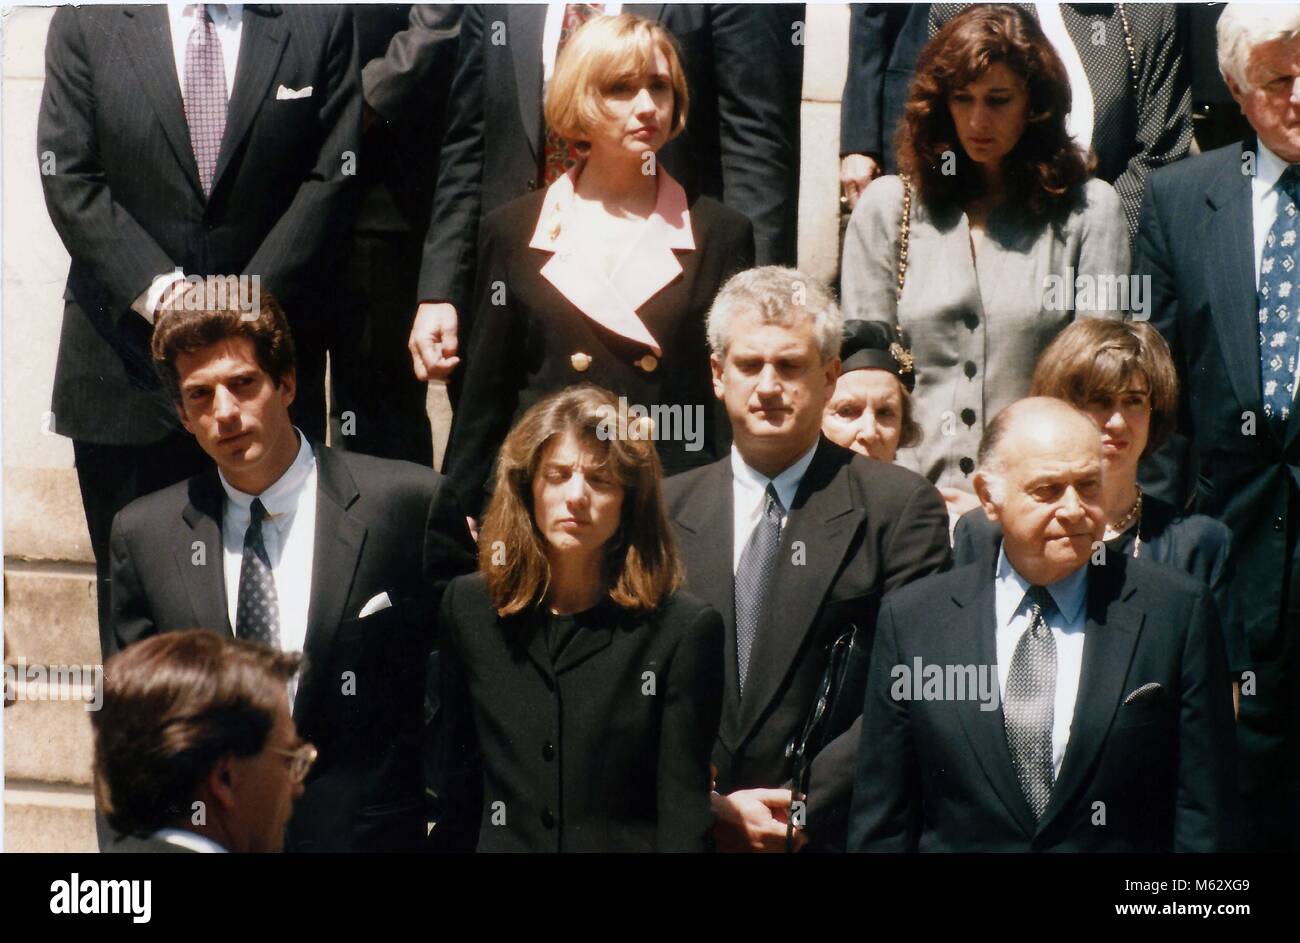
column 904, row 226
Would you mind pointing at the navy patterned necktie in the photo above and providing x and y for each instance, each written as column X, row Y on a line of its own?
column 1028, row 704
column 205, row 95
column 1278, row 333
column 754, row 578
column 257, row 617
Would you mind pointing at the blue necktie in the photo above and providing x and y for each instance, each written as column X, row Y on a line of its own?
column 1278, row 334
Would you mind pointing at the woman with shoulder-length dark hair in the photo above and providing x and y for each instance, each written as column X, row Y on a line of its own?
column 606, row 276
column 1122, row 375
column 993, row 238
column 581, row 690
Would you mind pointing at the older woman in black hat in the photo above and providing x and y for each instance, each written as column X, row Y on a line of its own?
column 871, row 410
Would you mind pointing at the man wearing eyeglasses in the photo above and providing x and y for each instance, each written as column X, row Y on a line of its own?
column 195, row 748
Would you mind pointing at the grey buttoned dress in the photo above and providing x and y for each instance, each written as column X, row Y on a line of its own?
column 977, row 325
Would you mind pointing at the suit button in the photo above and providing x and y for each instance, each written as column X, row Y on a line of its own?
column 532, row 184
column 968, row 416
column 971, row 320
column 548, row 818
column 967, row 465
column 649, row 363
column 969, row 368
column 1278, row 523
column 548, row 751
column 580, row 362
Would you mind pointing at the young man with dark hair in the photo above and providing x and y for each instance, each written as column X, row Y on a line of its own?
column 340, row 555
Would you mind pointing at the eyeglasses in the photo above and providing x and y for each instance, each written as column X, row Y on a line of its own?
column 300, row 760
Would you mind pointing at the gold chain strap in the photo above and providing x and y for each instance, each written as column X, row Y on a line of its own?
column 903, row 227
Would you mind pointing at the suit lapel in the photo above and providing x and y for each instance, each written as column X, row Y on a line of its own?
column 336, row 550
column 985, row 729
column 1230, row 232
column 1112, row 632
column 205, row 584
column 260, row 47
column 706, row 531
column 146, row 39
column 822, row 522
column 527, row 23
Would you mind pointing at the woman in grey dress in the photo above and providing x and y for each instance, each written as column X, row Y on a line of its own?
column 991, row 242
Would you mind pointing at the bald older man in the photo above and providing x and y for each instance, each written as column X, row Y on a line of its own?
column 1065, row 700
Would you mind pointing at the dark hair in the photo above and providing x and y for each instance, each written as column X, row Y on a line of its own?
column 1045, row 167
column 214, row 316
column 1096, row 357
column 641, row 562
column 173, row 705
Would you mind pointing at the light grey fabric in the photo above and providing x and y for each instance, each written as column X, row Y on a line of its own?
column 993, row 313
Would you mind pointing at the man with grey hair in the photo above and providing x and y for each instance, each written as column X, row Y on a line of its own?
column 1218, row 242
column 794, row 540
column 1112, row 725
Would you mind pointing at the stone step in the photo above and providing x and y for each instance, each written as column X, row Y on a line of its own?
column 50, row 616
column 44, row 818
column 47, row 741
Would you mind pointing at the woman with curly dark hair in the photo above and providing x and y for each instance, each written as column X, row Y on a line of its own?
column 991, row 241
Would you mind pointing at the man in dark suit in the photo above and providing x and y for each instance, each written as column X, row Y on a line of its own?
column 744, row 72
column 377, row 404
column 1224, row 312
column 339, row 555
column 174, row 141
column 1045, row 704
column 195, row 750
column 794, row 540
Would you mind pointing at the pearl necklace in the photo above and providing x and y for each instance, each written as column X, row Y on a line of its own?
column 1134, row 516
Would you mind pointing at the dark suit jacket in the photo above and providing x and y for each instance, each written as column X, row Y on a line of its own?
column 1196, row 246
column 130, row 845
column 381, row 526
column 1193, row 543
column 126, row 200
column 884, row 41
column 408, row 54
column 604, row 747
column 936, row 775
column 741, row 143
column 856, row 529
column 524, row 351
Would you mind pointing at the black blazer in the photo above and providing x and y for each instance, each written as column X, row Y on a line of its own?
column 741, row 143
column 1195, row 245
column 126, row 200
column 525, row 349
column 884, row 41
column 857, row 528
column 936, row 775
column 381, row 526
column 1193, row 543
column 604, row 748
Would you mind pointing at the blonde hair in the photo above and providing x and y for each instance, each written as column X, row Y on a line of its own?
column 641, row 562
column 602, row 52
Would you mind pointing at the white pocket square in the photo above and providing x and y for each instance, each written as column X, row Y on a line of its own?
column 1146, row 692
column 284, row 92
column 376, row 604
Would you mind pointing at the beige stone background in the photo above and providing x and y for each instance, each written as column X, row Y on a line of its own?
column 49, row 598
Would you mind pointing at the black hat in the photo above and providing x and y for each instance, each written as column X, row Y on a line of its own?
column 877, row 345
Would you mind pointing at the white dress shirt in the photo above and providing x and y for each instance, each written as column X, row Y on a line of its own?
column 289, row 534
column 551, row 35
column 748, row 488
column 1079, row 122
column 228, row 19
column 191, row 840
column 1066, row 622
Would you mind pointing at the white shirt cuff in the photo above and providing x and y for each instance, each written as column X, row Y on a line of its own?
column 146, row 303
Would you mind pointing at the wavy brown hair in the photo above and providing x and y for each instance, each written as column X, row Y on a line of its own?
column 1045, row 168
column 641, row 562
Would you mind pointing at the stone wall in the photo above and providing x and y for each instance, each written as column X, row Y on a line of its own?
column 49, row 601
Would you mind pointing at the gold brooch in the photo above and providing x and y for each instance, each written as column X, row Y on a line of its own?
column 902, row 355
